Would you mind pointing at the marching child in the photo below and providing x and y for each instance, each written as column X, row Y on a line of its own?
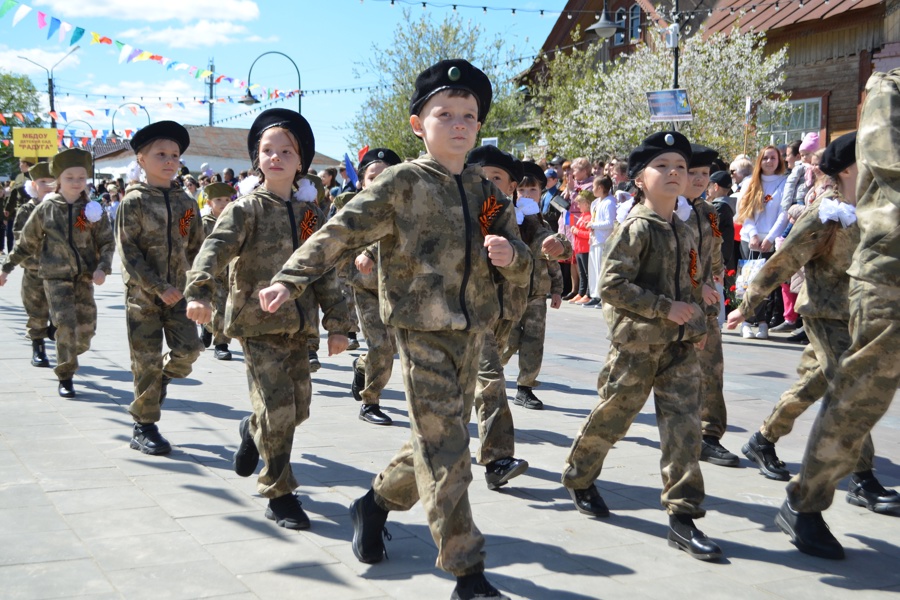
column 447, row 237
column 651, row 300
column 158, row 233
column 258, row 232
column 74, row 245
column 218, row 195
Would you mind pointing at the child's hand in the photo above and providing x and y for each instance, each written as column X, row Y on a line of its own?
column 364, row 264
column 3, row 278
column 681, row 312
column 272, row 297
column 337, row 343
column 765, row 246
column 499, row 249
column 734, row 319
column 171, row 296
column 555, row 301
column 99, row 277
column 552, row 247
column 754, row 242
column 702, row 343
column 199, row 311
column 710, row 296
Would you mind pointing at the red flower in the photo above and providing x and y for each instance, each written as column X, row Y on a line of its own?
column 731, row 273
column 768, row 198
column 727, row 302
column 732, row 288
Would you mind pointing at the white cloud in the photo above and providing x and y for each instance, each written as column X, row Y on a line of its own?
column 10, row 61
column 161, row 10
column 201, row 34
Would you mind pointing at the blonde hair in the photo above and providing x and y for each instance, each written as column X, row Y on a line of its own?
column 753, row 199
column 581, row 163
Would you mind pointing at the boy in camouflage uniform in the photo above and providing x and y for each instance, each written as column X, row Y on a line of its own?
column 258, row 232
column 447, row 237
column 650, row 285
column 34, row 298
column 158, row 233
column 868, row 373
column 74, row 243
column 218, row 195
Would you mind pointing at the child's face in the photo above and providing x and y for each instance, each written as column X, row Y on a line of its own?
column 279, row 159
column 665, row 177
column 72, row 182
column 373, row 171
column 43, row 186
column 698, row 181
column 501, row 179
column 217, row 205
column 447, row 124
column 598, row 190
column 530, row 191
column 160, row 161
column 584, row 204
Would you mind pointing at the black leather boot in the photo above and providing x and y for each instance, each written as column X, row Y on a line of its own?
column 684, row 535
column 147, row 439
column 371, row 413
column 469, row 587
column 368, row 529
column 809, row 532
column 287, row 512
column 246, row 459
column 588, row 501
column 500, row 471
column 865, row 490
column 66, row 389
column 39, row 354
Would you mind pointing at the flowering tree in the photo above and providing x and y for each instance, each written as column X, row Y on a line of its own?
column 587, row 111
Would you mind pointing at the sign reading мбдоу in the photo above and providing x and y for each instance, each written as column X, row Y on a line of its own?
column 35, row 142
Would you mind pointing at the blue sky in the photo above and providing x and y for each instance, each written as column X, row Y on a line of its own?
column 324, row 38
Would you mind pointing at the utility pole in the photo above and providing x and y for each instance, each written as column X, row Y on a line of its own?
column 50, row 82
column 212, row 89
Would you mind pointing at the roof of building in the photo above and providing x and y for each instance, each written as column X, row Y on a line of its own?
column 769, row 15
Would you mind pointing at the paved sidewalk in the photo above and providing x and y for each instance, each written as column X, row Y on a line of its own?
column 84, row 516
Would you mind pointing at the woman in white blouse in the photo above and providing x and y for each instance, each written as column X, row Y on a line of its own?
column 759, row 210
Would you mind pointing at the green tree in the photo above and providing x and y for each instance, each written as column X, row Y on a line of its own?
column 17, row 94
column 587, row 111
column 417, row 44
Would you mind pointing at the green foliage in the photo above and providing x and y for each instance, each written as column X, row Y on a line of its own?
column 591, row 113
column 417, row 44
column 17, row 94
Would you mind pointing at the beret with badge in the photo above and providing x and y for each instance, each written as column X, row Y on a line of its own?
column 162, row 130
column 40, row 171
column 286, row 119
column 385, row 155
column 492, row 156
column 722, row 179
column 654, row 145
column 839, row 155
column 453, row 74
column 68, row 159
column 702, row 156
column 219, row 190
column 533, row 169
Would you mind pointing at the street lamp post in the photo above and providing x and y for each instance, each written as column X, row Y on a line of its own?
column 250, row 100
column 90, row 129
column 50, row 81
column 604, row 29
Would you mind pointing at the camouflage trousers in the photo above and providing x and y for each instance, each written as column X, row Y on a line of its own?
column 74, row 313
column 858, row 395
column 828, row 340
column 217, row 327
column 713, row 414
column 495, row 422
column 527, row 338
column 347, row 292
column 34, row 299
column 378, row 361
column 148, row 320
column 280, row 393
column 439, row 373
column 631, row 371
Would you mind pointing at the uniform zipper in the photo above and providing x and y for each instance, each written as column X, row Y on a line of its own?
column 699, row 231
column 678, row 277
column 168, row 236
column 468, row 259
column 295, row 241
column 72, row 245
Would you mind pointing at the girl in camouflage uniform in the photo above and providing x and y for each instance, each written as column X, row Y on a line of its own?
column 75, row 245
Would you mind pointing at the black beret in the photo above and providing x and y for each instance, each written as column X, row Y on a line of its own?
column 839, row 155
column 533, row 169
column 702, row 156
column 453, row 74
column 384, row 155
column 165, row 130
column 67, row 159
column 722, row 179
column 492, row 156
column 653, row 146
column 287, row 119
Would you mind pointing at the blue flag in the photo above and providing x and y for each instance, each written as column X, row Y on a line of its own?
column 351, row 171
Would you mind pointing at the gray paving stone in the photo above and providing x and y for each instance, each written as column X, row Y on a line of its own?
column 40, row 547
column 176, row 581
column 56, row 579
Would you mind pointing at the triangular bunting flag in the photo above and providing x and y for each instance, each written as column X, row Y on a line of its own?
column 106, row 110
column 119, row 45
column 42, row 20
column 181, row 104
column 181, row 66
column 4, row 129
column 53, row 114
column 20, row 14
column 123, row 55
column 7, row 5
column 54, row 27
column 133, row 54
column 144, row 55
column 95, row 37
column 2, row 119
column 84, row 142
column 106, row 40
column 63, row 115
column 30, row 116
column 133, row 110
column 90, row 112
column 19, row 116
column 64, row 29
column 219, row 78
column 6, row 143
column 192, row 70
column 128, row 131
column 94, row 133
column 76, row 36
column 156, row 58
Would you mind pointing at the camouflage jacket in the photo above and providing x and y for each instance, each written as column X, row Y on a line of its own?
column 704, row 223
column 221, row 293
column 827, row 286
column 347, row 267
column 66, row 243
column 18, row 225
column 542, row 282
column 17, row 196
column 258, row 232
column 158, row 234
column 877, row 259
column 434, row 272
column 647, row 264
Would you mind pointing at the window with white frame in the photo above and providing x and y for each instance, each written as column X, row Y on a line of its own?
column 622, row 22
column 805, row 116
column 634, row 24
